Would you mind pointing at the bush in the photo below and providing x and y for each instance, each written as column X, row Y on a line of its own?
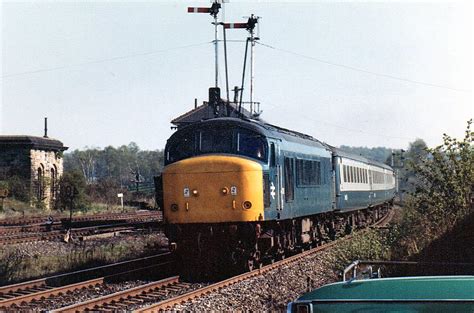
column 72, row 192
column 444, row 188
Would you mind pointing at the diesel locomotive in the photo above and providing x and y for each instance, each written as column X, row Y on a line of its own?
column 240, row 192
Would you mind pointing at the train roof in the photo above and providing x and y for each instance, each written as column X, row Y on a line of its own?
column 265, row 129
column 352, row 156
column 274, row 131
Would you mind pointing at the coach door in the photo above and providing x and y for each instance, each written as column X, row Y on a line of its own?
column 275, row 178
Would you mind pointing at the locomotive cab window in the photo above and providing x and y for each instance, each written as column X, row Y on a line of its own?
column 216, row 141
column 272, row 155
column 181, row 147
column 251, row 144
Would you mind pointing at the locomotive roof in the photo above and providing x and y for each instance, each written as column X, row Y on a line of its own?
column 265, row 129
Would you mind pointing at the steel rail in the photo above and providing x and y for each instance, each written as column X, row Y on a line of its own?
column 21, row 294
column 49, row 292
column 38, row 283
column 41, row 220
column 170, row 303
column 114, row 298
column 58, row 234
column 20, row 288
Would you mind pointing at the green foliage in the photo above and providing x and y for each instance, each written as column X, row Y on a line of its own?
column 120, row 165
column 416, row 154
column 18, row 188
column 77, row 199
column 443, row 187
column 368, row 245
column 109, row 171
column 16, row 265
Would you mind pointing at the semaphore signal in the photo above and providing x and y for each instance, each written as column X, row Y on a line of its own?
column 214, row 11
column 250, row 27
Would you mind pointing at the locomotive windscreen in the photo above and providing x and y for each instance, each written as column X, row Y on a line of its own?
column 240, row 141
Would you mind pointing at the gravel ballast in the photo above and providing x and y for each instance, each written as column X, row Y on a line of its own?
column 271, row 291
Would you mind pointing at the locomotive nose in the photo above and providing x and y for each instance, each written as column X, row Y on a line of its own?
column 213, row 188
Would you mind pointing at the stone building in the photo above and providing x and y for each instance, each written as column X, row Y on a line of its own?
column 35, row 163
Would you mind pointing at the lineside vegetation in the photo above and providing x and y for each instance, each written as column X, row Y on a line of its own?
column 441, row 196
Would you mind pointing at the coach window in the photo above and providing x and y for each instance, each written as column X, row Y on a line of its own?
column 344, row 169
column 289, row 180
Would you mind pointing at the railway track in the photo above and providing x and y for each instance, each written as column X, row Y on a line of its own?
column 123, row 300
column 75, row 232
column 56, row 231
column 47, row 292
column 170, row 292
column 36, row 221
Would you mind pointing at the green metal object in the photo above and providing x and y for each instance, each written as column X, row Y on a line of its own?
column 406, row 294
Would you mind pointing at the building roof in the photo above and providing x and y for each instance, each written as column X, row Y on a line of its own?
column 40, row 143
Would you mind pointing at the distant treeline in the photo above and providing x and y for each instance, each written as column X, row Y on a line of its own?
column 121, row 166
column 380, row 154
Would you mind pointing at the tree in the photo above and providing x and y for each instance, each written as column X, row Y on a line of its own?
column 445, row 178
column 443, row 191
column 72, row 192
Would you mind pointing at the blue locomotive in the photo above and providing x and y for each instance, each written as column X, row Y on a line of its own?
column 241, row 191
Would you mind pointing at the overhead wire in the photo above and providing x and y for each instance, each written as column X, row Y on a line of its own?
column 339, row 126
column 128, row 56
column 353, row 68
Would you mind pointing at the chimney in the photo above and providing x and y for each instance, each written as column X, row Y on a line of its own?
column 45, row 127
column 195, row 103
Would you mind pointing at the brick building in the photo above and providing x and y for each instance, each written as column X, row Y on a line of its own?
column 34, row 162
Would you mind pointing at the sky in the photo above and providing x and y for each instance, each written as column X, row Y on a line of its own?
column 358, row 73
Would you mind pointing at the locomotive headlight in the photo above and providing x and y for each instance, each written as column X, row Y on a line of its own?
column 174, row 207
column 247, row 205
column 195, row 192
column 225, row 191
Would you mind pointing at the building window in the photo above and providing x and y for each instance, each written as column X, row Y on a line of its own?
column 53, row 184
column 40, row 184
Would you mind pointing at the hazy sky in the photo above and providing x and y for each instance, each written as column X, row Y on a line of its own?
column 352, row 73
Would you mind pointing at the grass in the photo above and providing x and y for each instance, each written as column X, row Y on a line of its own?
column 17, row 265
column 13, row 208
